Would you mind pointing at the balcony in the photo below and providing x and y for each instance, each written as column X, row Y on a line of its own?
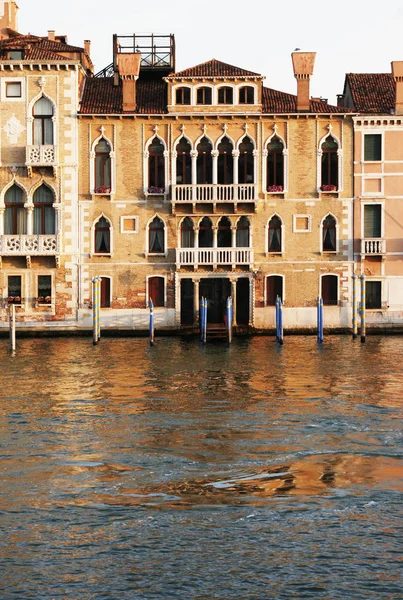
column 241, row 192
column 29, row 245
column 374, row 246
column 195, row 257
column 40, row 156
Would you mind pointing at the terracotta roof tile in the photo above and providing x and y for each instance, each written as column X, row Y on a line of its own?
column 275, row 102
column 37, row 48
column 100, row 96
column 213, row 68
column 372, row 92
column 151, row 96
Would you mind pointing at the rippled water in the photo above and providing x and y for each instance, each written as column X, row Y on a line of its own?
column 178, row 471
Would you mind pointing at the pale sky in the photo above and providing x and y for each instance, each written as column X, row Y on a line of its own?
column 349, row 36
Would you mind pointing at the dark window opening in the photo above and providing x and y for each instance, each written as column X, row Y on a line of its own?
column 43, row 123
column 275, row 234
column 44, row 213
column 14, row 289
column 275, row 165
column 242, row 233
column 373, row 294
column 224, row 235
column 187, row 233
column 204, row 95
column 183, row 96
column 183, row 162
column 102, row 167
column 274, row 289
column 329, row 234
column 156, row 291
column 330, row 165
column 330, row 290
column 205, row 233
column 156, row 232
column 15, row 54
column 44, row 289
column 102, row 236
column 246, row 165
column 246, row 95
column 15, row 215
column 105, row 292
column 225, row 95
column 156, row 167
column 225, row 162
column 372, row 220
column 373, row 146
column 204, row 162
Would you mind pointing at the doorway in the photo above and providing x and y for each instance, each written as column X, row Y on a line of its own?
column 216, row 290
column 242, row 301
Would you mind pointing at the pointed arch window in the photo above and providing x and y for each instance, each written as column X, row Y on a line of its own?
column 274, row 244
column 44, row 213
column 275, row 165
column 15, row 215
column 156, row 167
column 156, row 236
column 187, row 233
column 204, row 96
column 102, row 167
column 225, row 95
column 329, row 234
column 243, row 233
column 205, row 233
column 330, row 165
column 225, row 162
column 246, row 95
column 43, row 122
column 204, row 162
column 182, row 96
column 183, row 162
column 102, row 236
column 224, row 236
column 246, row 164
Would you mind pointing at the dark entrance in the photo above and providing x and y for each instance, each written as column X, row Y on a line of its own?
column 216, row 291
column 242, row 301
column 187, row 293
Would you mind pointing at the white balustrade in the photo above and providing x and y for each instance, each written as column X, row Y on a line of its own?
column 214, row 256
column 41, row 155
column 240, row 192
column 29, row 245
column 373, row 246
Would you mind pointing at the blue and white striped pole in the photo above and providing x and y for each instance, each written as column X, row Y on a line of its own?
column 280, row 322
column 354, row 315
column 229, row 318
column 277, row 317
column 204, row 320
column 362, row 308
column 320, row 319
column 151, row 323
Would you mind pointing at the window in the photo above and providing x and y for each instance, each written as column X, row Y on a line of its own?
column 15, row 215
column 205, row 233
column 183, row 162
column 15, row 54
column 43, row 122
column 274, row 289
column 246, row 95
column 224, row 235
column 129, row 225
column 373, row 294
column 372, row 220
column 44, row 213
column 187, row 233
column 330, row 165
column 44, row 289
column 14, row 289
column 105, row 292
column 274, row 242
column 156, row 291
column 204, row 162
column 329, row 234
column 156, row 237
column 225, row 162
column 156, row 167
column 13, row 89
column 225, row 95
column 242, row 233
column 373, row 146
column 102, row 242
column 102, row 167
column 182, row 95
column 275, row 165
column 302, row 223
column 246, row 165
column 330, row 290
column 204, row 95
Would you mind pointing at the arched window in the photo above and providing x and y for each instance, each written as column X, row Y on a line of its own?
column 156, row 236
column 102, row 240
column 330, row 290
column 44, row 213
column 243, row 233
column 246, row 166
column 225, row 95
column 224, row 236
column 43, row 124
column 204, row 162
column 206, row 233
column 225, row 162
column 102, row 167
column 15, row 215
column 156, row 291
column 329, row 234
column 275, row 165
column 182, row 95
column 204, row 95
column 330, row 164
column 183, row 162
column 274, row 289
column 187, row 233
column 275, row 234
column 156, row 167
column 246, row 95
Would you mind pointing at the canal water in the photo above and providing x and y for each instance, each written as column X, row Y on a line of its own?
column 190, row 472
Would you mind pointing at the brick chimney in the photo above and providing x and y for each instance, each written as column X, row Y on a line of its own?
column 51, row 35
column 8, row 17
column 397, row 72
column 303, row 63
column 87, row 47
column 128, row 65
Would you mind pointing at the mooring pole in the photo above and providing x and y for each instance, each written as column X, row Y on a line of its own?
column 229, row 318
column 320, row 319
column 151, row 323
column 98, row 294
column 354, row 315
column 277, row 318
column 12, row 328
column 280, row 322
column 204, row 320
column 362, row 277
column 94, row 312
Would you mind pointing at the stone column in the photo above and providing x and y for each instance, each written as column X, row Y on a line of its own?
column 235, row 155
column 2, row 209
column 30, row 210
column 193, row 156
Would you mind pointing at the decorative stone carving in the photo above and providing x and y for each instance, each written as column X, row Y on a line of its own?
column 13, row 129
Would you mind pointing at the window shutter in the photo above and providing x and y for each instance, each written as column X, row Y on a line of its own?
column 372, row 221
column 373, row 147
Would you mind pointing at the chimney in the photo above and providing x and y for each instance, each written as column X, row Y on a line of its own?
column 51, row 35
column 128, row 65
column 8, row 17
column 397, row 72
column 87, row 47
column 303, row 63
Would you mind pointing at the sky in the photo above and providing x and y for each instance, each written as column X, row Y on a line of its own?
column 352, row 36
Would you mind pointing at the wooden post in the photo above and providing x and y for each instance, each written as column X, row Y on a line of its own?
column 363, row 332
column 12, row 328
column 354, row 315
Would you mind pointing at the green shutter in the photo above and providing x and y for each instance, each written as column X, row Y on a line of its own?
column 372, row 220
column 373, row 146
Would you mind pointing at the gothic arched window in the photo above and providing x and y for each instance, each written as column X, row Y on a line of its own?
column 102, row 236
column 15, row 215
column 44, row 213
column 102, row 167
column 43, row 123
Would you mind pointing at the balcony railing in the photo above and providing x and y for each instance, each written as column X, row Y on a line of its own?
column 213, row 256
column 241, row 192
column 41, row 156
column 29, row 245
column 373, row 246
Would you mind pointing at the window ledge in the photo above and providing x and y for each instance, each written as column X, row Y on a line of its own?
column 274, row 253
column 274, row 194
column 101, row 254
column 329, row 252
